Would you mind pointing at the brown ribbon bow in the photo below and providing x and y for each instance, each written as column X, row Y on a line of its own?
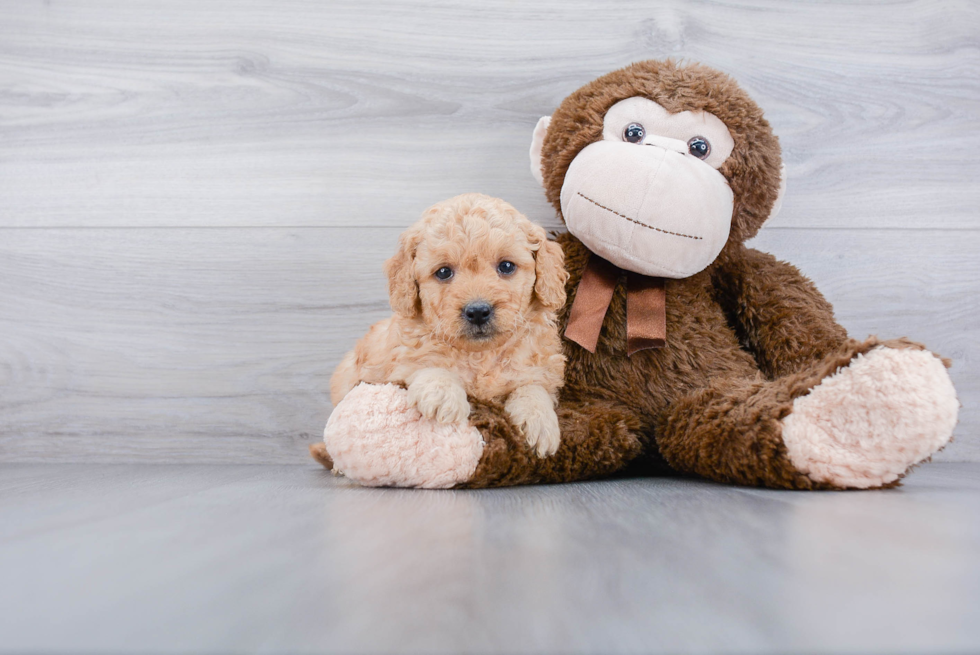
column 646, row 315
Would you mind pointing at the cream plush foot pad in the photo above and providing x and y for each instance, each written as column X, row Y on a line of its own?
column 377, row 439
column 868, row 423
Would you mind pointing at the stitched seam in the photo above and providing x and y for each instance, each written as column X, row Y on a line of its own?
column 678, row 275
column 633, row 220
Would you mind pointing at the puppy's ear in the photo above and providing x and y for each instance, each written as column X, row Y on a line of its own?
column 549, row 268
column 403, row 290
column 550, row 273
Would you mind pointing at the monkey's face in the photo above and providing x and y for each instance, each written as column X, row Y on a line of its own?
column 658, row 166
column 648, row 197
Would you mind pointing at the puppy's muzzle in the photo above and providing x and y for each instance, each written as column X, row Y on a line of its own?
column 478, row 313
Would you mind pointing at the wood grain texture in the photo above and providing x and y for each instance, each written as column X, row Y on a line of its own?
column 196, row 198
column 311, row 113
column 236, row 559
column 217, row 345
column 194, row 345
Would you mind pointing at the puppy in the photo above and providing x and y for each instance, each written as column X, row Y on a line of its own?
column 475, row 288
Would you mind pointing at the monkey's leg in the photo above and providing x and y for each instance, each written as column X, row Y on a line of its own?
column 859, row 418
column 375, row 437
column 598, row 438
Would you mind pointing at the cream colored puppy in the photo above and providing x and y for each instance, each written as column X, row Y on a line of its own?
column 475, row 287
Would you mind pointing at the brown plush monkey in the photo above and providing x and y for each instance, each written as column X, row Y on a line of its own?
column 687, row 352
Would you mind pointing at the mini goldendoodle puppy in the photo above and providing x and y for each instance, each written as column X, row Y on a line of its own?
column 475, row 287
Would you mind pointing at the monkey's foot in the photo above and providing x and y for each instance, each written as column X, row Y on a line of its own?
column 868, row 423
column 375, row 437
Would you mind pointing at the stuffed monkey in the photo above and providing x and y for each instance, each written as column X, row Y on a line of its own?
column 687, row 352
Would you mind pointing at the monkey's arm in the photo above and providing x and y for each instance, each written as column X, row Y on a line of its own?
column 777, row 312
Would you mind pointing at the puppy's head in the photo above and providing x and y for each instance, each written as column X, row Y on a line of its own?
column 476, row 271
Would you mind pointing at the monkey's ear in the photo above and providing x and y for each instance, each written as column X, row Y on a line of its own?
column 776, row 206
column 540, row 130
column 403, row 290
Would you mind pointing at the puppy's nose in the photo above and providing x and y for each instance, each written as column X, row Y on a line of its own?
column 478, row 312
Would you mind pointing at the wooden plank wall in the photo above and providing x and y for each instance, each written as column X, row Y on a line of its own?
column 196, row 197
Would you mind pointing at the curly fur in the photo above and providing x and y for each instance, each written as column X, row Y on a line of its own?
column 429, row 346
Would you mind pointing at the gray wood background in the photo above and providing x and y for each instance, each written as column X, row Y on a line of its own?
column 196, row 197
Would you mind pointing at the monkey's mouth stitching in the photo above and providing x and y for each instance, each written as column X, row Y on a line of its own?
column 633, row 220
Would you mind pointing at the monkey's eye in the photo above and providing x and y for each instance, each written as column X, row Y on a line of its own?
column 506, row 268
column 444, row 273
column 699, row 147
column 633, row 133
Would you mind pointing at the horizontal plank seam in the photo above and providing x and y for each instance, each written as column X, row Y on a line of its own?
column 402, row 227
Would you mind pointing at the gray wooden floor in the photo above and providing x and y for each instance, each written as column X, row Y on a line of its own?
column 196, row 197
column 195, row 202
column 287, row 559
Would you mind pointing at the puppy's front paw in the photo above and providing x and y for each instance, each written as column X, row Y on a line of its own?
column 532, row 410
column 438, row 395
column 542, row 433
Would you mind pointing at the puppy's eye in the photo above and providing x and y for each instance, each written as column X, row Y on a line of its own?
column 506, row 268
column 444, row 273
column 634, row 133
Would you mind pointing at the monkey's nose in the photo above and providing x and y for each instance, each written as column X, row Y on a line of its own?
column 666, row 143
column 478, row 312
